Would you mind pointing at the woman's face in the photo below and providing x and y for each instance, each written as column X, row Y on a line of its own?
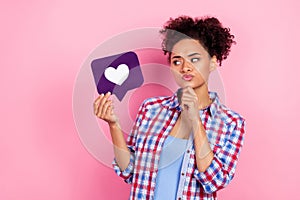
column 191, row 64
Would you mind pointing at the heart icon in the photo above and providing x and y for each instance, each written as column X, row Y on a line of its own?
column 117, row 76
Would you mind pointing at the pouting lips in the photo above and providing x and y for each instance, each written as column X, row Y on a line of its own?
column 187, row 77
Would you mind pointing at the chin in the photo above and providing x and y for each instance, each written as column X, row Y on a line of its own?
column 187, row 84
column 192, row 85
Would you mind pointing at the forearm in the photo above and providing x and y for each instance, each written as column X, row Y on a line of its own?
column 122, row 153
column 203, row 152
column 217, row 169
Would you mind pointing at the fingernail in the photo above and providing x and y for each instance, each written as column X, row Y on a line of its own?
column 109, row 93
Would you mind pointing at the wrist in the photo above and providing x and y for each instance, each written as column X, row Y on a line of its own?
column 196, row 123
column 113, row 125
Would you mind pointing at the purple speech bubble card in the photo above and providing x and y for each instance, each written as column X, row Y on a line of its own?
column 117, row 74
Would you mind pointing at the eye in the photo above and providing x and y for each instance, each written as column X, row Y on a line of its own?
column 193, row 60
column 176, row 62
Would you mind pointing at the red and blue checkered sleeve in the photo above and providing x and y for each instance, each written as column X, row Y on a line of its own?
column 126, row 174
column 222, row 169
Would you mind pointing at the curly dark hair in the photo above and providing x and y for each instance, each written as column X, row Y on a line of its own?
column 216, row 39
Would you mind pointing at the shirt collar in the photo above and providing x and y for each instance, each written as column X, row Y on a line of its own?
column 213, row 108
column 173, row 103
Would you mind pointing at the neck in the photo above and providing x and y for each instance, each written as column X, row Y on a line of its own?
column 203, row 96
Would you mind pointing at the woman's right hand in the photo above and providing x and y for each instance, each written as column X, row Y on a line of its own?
column 103, row 108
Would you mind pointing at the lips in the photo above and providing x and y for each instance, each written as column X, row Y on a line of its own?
column 187, row 77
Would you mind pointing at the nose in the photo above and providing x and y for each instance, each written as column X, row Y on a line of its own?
column 186, row 67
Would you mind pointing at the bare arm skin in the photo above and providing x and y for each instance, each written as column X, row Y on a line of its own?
column 190, row 114
column 103, row 109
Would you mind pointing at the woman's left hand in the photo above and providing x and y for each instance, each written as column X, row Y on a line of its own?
column 190, row 105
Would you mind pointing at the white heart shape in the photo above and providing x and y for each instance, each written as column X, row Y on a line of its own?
column 117, row 76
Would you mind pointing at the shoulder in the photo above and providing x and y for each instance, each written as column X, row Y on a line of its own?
column 156, row 102
column 224, row 113
column 230, row 116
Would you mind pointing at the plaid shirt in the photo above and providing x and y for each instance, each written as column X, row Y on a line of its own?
column 155, row 119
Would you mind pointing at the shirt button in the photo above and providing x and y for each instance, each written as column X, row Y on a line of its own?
column 179, row 198
column 182, row 174
column 188, row 151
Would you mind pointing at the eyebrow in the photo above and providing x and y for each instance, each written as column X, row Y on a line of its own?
column 176, row 57
column 190, row 55
column 193, row 54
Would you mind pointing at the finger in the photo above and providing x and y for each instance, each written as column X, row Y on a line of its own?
column 104, row 109
column 186, row 89
column 103, row 101
column 189, row 103
column 112, row 110
column 105, row 98
column 186, row 106
column 190, row 89
column 109, row 111
column 96, row 102
column 189, row 100
column 99, row 98
column 188, row 95
column 101, row 112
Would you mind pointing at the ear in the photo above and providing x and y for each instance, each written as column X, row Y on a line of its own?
column 213, row 63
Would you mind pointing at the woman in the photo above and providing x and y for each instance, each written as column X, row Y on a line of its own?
column 185, row 146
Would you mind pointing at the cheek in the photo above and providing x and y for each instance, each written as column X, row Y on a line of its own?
column 203, row 72
column 176, row 76
column 202, row 76
column 174, row 72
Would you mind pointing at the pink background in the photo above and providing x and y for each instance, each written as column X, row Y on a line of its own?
column 44, row 43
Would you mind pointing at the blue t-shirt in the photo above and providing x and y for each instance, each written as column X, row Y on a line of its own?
column 169, row 168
